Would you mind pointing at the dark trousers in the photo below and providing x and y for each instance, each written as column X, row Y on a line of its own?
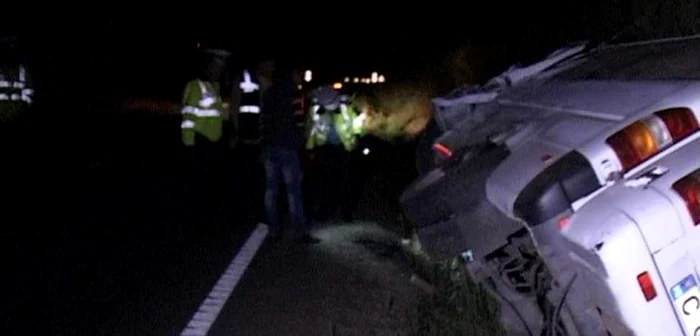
column 250, row 183
column 204, row 187
column 357, row 173
column 282, row 167
column 307, row 181
column 14, row 169
column 330, row 182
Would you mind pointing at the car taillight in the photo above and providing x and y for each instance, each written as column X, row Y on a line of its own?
column 689, row 189
column 646, row 285
column 442, row 149
column 647, row 137
column 563, row 223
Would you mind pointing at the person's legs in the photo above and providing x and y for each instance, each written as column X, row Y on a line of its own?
column 259, row 178
column 219, row 180
column 246, row 190
column 272, row 172
column 208, row 181
column 320, row 181
column 329, row 183
column 349, row 186
column 307, row 183
column 292, row 180
column 337, row 179
column 195, row 191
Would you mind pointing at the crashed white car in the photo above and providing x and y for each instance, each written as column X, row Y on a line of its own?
column 523, row 160
column 636, row 249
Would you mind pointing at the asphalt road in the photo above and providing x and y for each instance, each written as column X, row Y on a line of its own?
column 92, row 218
column 91, row 239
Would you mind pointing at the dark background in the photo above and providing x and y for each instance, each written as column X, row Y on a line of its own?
column 149, row 52
column 88, row 234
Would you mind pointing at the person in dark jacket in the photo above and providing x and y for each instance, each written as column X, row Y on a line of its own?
column 280, row 142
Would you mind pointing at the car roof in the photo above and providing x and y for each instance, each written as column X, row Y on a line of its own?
column 668, row 59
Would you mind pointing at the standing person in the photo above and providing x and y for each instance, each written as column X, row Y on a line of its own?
column 300, row 118
column 333, row 132
column 247, row 105
column 16, row 87
column 281, row 140
column 16, row 98
column 202, row 128
column 299, row 98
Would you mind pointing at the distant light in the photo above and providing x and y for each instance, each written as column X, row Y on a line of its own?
column 307, row 76
column 199, row 45
column 365, row 151
column 355, row 80
column 346, row 80
column 337, row 86
column 381, row 79
column 299, row 86
column 374, row 77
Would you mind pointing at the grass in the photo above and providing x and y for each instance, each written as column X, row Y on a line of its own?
column 458, row 306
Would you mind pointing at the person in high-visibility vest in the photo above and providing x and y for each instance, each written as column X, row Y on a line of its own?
column 16, row 128
column 247, row 102
column 16, row 87
column 202, row 106
column 202, row 129
column 332, row 132
column 249, row 109
column 332, row 120
column 246, row 108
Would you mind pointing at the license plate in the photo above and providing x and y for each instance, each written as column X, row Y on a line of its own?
column 686, row 297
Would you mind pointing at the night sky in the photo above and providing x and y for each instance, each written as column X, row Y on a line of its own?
column 154, row 49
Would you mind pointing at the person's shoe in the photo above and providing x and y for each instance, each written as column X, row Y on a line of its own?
column 308, row 239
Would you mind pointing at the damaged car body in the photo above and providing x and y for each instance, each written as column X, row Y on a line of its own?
column 521, row 154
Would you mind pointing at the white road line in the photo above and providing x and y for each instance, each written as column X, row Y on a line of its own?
column 209, row 310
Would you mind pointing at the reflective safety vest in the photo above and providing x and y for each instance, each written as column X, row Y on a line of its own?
column 16, row 92
column 202, row 109
column 343, row 119
column 249, row 109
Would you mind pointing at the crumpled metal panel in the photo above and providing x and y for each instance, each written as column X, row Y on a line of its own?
column 450, row 209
